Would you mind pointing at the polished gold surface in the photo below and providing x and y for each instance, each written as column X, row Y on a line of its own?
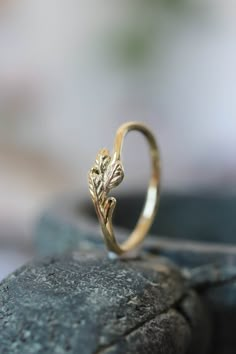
column 107, row 173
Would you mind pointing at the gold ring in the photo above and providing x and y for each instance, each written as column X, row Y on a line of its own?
column 107, row 173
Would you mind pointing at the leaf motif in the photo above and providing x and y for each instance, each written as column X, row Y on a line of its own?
column 113, row 175
column 102, row 160
column 106, row 174
column 109, row 207
column 96, row 187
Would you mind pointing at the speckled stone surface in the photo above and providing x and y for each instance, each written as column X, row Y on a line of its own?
column 86, row 304
column 183, row 225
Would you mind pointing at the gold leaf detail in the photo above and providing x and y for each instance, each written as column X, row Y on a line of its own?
column 102, row 160
column 113, row 175
column 104, row 176
column 95, row 187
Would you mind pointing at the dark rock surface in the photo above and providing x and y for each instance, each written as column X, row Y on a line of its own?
column 88, row 304
column 66, row 225
column 211, row 267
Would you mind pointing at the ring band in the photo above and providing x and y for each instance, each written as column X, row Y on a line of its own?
column 107, row 173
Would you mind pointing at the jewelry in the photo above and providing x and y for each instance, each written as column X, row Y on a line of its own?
column 107, row 173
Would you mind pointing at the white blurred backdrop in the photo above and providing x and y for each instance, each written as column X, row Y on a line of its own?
column 71, row 71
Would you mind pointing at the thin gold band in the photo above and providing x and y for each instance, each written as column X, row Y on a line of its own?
column 108, row 173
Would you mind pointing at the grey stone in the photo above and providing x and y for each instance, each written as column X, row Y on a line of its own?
column 85, row 304
column 202, row 217
column 185, row 222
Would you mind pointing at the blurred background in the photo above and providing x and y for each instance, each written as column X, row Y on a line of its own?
column 71, row 71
